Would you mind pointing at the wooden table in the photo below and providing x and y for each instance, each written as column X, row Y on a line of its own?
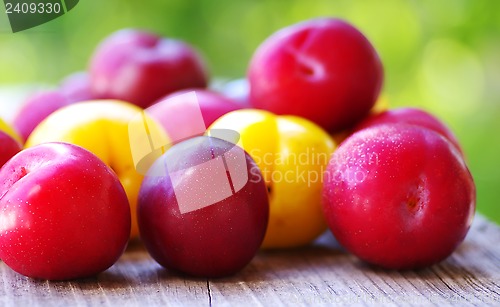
column 318, row 275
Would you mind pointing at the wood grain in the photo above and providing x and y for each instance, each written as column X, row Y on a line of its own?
column 318, row 275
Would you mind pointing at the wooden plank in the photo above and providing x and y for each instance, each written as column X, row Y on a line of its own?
column 319, row 275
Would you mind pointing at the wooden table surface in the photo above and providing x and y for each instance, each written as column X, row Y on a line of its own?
column 321, row 274
column 318, row 275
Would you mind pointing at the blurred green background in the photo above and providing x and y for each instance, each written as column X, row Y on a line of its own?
column 443, row 56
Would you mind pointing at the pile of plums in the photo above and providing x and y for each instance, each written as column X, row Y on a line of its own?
column 121, row 152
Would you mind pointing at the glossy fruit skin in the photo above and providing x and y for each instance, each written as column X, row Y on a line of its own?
column 141, row 67
column 214, row 241
column 36, row 108
column 8, row 147
column 65, row 214
column 380, row 106
column 100, row 126
column 412, row 116
column 77, row 87
column 398, row 196
column 278, row 144
column 5, row 127
column 212, row 105
column 322, row 69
